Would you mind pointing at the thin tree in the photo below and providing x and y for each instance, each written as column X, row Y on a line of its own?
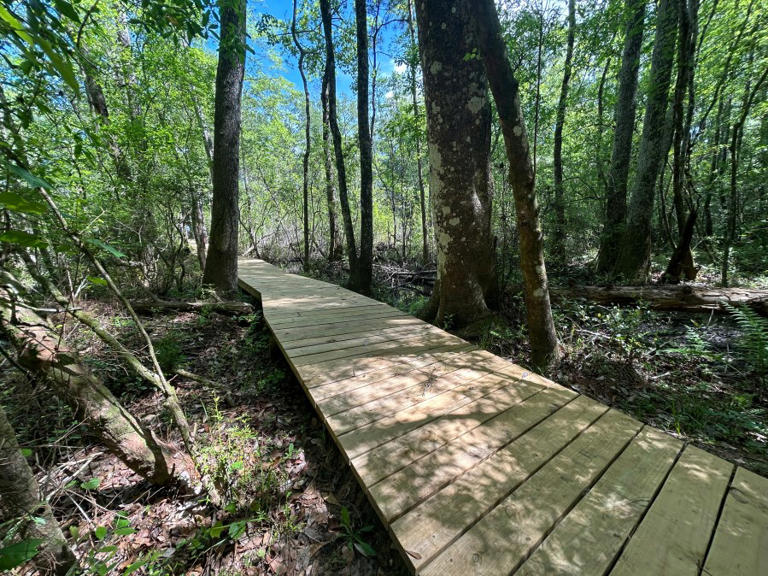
column 506, row 94
column 635, row 248
column 221, row 262
column 333, row 122
column 621, row 152
column 307, row 135
column 559, row 232
column 361, row 277
column 334, row 240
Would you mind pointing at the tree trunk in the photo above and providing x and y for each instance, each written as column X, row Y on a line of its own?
column 341, row 171
column 41, row 351
column 682, row 262
column 681, row 257
column 419, row 164
column 334, row 240
column 558, row 241
column 621, row 153
column 22, row 500
column 307, row 138
column 635, row 248
column 737, row 131
column 459, row 137
column 221, row 262
column 683, row 297
column 361, row 277
column 505, row 88
column 199, row 230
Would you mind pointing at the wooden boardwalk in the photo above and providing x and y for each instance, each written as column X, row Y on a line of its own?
column 478, row 467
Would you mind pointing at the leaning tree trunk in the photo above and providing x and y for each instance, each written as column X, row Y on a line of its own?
column 41, row 351
column 341, row 170
column 459, row 137
column 635, row 248
column 221, row 262
column 624, row 117
column 505, row 88
column 361, row 278
column 21, row 501
column 558, row 243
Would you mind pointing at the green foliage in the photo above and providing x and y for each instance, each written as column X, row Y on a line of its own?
column 355, row 536
column 753, row 343
column 169, row 352
column 17, row 554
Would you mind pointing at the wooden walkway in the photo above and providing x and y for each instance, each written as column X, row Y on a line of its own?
column 478, row 467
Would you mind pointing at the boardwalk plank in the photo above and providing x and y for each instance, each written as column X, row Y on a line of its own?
column 500, row 541
column 588, row 539
column 740, row 546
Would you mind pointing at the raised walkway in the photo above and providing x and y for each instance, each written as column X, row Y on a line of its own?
column 478, row 467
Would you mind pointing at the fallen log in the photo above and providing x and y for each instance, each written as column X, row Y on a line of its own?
column 685, row 297
column 232, row 308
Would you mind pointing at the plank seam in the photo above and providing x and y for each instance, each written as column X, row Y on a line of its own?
column 717, row 520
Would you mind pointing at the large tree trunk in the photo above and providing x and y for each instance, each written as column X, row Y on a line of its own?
column 21, row 501
column 41, row 351
column 459, row 137
column 199, row 230
column 307, row 138
column 221, row 262
column 505, row 88
column 621, row 153
column 334, row 239
column 341, row 171
column 558, row 241
column 635, row 248
column 361, row 277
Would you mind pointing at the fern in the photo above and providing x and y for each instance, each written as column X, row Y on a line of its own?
column 754, row 339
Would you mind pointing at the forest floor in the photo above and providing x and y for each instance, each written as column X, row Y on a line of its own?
column 291, row 505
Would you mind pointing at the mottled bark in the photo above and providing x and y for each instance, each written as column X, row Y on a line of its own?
column 333, row 122
column 199, row 230
column 362, row 275
column 21, row 500
column 459, row 138
column 505, row 88
column 221, row 262
column 621, row 153
column 558, row 240
column 635, row 248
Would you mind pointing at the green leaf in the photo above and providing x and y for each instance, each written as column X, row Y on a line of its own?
column 136, row 565
column 39, row 521
column 17, row 203
column 23, row 239
column 100, row 532
column 62, row 66
column 216, row 530
column 365, row 549
column 15, row 25
column 25, row 175
column 345, row 519
column 104, row 246
column 67, row 10
column 236, row 529
column 127, row 531
column 74, row 532
column 16, row 554
column 96, row 281
column 26, row 452
column 91, row 484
